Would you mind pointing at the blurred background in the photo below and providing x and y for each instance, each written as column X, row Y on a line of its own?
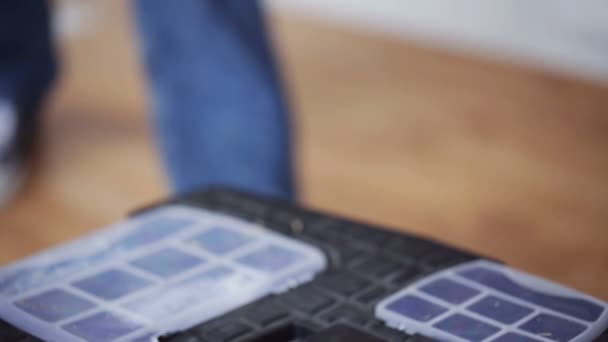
column 480, row 122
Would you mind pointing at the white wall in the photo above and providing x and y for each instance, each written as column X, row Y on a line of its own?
column 568, row 36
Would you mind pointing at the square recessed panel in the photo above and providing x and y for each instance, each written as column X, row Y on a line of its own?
column 219, row 240
column 102, row 327
column 500, row 310
column 112, row 284
column 553, row 328
column 449, row 290
column 153, row 230
column 216, row 275
column 270, row 258
column 514, row 337
column 466, row 327
column 576, row 307
column 184, row 295
column 416, row 308
column 167, row 262
column 54, row 305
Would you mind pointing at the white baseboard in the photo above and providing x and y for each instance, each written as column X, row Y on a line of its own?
column 565, row 36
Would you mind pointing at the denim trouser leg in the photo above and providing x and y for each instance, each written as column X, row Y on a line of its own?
column 217, row 101
column 27, row 60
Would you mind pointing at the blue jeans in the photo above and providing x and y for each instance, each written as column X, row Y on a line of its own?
column 219, row 109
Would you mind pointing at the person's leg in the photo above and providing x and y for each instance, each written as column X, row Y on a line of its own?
column 27, row 68
column 217, row 99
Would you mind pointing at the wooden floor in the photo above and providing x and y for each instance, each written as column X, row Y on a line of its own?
column 508, row 162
